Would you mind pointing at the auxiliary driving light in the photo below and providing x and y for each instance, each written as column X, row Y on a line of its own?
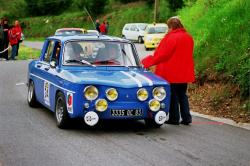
column 154, row 105
column 91, row 92
column 142, row 94
column 159, row 93
column 101, row 105
column 111, row 94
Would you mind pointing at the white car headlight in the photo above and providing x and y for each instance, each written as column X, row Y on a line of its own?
column 112, row 94
column 91, row 92
column 147, row 38
column 159, row 93
column 142, row 94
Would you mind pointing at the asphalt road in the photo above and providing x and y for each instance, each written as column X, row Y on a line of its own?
column 29, row 136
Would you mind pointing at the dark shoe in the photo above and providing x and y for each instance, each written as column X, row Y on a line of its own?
column 185, row 123
column 172, row 122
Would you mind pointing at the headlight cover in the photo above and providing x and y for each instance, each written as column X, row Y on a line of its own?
column 112, row 94
column 91, row 92
column 142, row 94
column 159, row 93
column 101, row 105
column 154, row 105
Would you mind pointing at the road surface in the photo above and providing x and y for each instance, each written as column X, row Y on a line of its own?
column 29, row 136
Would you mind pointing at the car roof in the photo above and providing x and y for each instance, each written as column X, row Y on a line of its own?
column 157, row 24
column 64, row 38
column 80, row 29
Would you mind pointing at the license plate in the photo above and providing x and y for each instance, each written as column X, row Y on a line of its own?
column 129, row 112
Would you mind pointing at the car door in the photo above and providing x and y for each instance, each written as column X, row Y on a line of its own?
column 134, row 32
column 43, row 73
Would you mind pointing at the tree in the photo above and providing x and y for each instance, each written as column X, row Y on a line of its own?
column 47, row 7
column 95, row 7
column 175, row 4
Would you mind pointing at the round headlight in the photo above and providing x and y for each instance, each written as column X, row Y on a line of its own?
column 159, row 93
column 142, row 94
column 101, row 105
column 154, row 105
column 91, row 92
column 111, row 94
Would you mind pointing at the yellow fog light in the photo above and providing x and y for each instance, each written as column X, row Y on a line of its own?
column 142, row 94
column 154, row 105
column 91, row 92
column 101, row 105
column 159, row 93
column 111, row 94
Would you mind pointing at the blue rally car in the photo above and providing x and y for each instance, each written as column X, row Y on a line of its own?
column 96, row 77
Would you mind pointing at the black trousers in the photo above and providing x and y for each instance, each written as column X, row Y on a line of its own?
column 179, row 105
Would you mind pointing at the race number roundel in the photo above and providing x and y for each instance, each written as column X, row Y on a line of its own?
column 91, row 118
column 160, row 117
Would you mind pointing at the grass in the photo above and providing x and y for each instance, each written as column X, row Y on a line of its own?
column 25, row 53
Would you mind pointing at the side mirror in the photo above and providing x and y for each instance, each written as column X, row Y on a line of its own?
column 53, row 64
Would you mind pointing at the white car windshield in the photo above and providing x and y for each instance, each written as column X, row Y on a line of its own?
column 99, row 53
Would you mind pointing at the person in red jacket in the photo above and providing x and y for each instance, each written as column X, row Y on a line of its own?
column 13, row 39
column 174, row 62
column 19, row 34
column 103, row 28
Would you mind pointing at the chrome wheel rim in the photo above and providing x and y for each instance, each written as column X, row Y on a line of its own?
column 59, row 110
column 30, row 91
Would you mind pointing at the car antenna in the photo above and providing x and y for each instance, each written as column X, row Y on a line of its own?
column 91, row 19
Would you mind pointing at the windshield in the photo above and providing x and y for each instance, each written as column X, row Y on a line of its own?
column 142, row 26
column 154, row 30
column 99, row 53
column 68, row 32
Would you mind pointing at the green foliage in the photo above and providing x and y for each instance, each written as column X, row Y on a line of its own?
column 175, row 4
column 95, row 7
column 222, row 43
column 47, row 7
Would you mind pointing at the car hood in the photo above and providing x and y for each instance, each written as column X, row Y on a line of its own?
column 114, row 78
column 159, row 35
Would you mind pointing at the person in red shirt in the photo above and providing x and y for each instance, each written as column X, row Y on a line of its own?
column 13, row 39
column 19, row 34
column 103, row 28
column 174, row 62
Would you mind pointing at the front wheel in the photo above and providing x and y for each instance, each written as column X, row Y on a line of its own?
column 31, row 95
column 140, row 40
column 61, row 114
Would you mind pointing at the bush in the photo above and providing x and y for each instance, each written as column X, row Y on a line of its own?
column 47, row 7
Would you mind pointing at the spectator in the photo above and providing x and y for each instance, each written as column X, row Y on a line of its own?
column 13, row 38
column 107, row 26
column 19, row 34
column 103, row 28
column 174, row 62
column 6, row 37
column 1, row 37
column 97, row 25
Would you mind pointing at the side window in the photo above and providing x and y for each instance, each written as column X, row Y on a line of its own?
column 133, row 28
column 127, row 27
column 56, row 53
column 49, row 51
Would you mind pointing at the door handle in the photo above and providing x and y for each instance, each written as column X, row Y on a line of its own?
column 38, row 65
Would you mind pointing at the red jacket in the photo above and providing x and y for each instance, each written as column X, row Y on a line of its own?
column 103, row 28
column 174, row 57
column 19, row 31
column 13, row 36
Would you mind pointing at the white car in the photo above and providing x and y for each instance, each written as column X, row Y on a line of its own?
column 134, row 31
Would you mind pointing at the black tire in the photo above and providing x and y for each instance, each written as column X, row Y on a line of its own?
column 32, row 101
column 140, row 40
column 123, row 37
column 152, row 124
column 147, row 49
column 61, row 113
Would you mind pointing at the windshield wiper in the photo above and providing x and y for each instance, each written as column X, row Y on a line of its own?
column 79, row 61
column 124, row 53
